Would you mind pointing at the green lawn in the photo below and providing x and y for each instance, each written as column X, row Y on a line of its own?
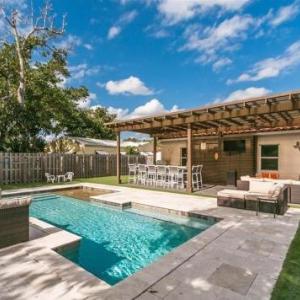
column 288, row 284
column 110, row 180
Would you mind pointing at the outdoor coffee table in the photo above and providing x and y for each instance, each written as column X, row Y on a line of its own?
column 60, row 178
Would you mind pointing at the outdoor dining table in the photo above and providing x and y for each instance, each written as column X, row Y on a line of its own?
column 60, row 178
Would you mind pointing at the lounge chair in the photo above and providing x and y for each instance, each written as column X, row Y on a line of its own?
column 50, row 178
column 69, row 176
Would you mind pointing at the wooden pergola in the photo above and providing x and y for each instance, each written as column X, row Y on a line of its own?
column 272, row 112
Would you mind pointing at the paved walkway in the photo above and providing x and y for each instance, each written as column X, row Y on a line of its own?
column 240, row 257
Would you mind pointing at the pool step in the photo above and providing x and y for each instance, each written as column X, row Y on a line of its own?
column 122, row 204
column 180, row 220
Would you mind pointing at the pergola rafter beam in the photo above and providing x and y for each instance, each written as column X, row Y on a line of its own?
column 263, row 111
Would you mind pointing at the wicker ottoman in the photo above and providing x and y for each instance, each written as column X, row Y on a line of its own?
column 14, row 221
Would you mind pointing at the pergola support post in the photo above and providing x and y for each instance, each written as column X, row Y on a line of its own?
column 189, row 186
column 119, row 157
column 154, row 149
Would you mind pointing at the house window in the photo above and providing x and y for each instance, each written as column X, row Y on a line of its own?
column 183, row 156
column 269, row 157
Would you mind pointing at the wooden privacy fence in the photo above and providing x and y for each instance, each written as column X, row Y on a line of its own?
column 31, row 167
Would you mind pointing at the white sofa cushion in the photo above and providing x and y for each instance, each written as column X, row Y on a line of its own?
column 15, row 202
column 276, row 190
column 262, row 187
column 284, row 181
column 254, row 196
column 237, row 194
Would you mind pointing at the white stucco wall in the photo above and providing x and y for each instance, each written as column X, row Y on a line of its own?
column 289, row 156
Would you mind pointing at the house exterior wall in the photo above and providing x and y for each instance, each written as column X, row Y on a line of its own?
column 92, row 149
column 216, row 163
column 68, row 146
column 170, row 151
column 289, row 156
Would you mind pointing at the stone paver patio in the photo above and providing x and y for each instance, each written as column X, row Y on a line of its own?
column 240, row 257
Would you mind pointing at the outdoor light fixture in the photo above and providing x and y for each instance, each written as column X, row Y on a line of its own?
column 216, row 156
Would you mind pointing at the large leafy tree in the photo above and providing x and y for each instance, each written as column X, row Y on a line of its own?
column 33, row 101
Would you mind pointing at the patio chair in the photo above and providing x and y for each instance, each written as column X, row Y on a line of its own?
column 181, row 177
column 132, row 173
column 69, row 176
column 151, row 175
column 200, row 182
column 195, row 177
column 142, row 174
column 50, row 178
column 274, row 199
column 172, row 177
column 161, row 175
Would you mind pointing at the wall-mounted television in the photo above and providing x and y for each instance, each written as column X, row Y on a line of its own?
column 237, row 146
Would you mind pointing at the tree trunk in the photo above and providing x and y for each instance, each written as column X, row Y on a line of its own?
column 21, row 88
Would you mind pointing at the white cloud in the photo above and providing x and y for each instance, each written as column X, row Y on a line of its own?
column 121, row 113
column 212, row 40
column 88, row 46
column 113, row 32
column 128, row 17
column 129, row 86
column 77, row 72
column 180, row 10
column 16, row 4
column 6, row 8
column 250, row 92
column 69, row 42
column 285, row 13
column 156, row 31
column 161, row 33
column 83, row 70
column 152, row 107
column 86, row 102
column 125, row 19
column 221, row 63
column 63, row 80
column 274, row 66
column 100, row 84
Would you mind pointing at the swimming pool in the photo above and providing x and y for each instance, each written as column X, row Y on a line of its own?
column 115, row 244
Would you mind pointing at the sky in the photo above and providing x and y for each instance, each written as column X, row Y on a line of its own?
column 143, row 57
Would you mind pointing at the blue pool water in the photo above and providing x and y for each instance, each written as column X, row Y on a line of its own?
column 115, row 243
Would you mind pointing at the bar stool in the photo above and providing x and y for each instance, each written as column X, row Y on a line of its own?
column 161, row 175
column 151, row 175
column 195, row 181
column 200, row 182
column 132, row 174
column 181, row 177
column 172, row 177
column 142, row 174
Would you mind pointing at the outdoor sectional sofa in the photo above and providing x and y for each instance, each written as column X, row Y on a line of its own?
column 259, row 195
column 293, row 186
column 14, row 221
